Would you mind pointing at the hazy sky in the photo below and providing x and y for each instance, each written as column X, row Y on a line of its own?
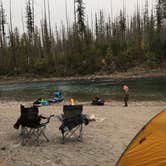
column 58, row 13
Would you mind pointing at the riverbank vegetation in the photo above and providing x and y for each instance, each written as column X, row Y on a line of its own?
column 106, row 46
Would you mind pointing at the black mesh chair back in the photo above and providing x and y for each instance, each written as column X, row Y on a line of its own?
column 72, row 111
column 29, row 116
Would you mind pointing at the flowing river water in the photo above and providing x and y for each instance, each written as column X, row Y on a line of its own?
column 85, row 90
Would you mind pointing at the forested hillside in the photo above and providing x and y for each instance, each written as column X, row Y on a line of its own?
column 107, row 45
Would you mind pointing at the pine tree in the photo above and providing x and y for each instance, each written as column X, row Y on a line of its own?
column 81, row 17
column 30, row 18
column 159, row 15
column 122, row 23
column 96, row 27
column 163, row 6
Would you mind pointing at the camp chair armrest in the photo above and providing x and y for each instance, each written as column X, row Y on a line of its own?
column 48, row 119
column 43, row 117
column 59, row 117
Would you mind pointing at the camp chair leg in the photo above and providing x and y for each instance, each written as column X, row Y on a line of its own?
column 38, row 133
column 23, row 140
column 68, row 134
column 63, row 138
column 25, row 135
column 22, row 130
column 33, row 134
column 80, row 137
column 44, row 135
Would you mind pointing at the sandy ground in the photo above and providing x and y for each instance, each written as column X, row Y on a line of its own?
column 103, row 140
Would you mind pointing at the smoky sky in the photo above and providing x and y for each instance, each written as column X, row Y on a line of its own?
column 62, row 10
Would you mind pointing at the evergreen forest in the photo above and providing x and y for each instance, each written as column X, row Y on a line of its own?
column 106, row 45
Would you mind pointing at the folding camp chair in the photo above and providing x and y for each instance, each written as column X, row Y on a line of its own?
column 31, row 126
column 72, row 122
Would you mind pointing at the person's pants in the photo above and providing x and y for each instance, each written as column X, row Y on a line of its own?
column 126, row 98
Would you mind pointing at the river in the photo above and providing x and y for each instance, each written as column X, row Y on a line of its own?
column 85, row 90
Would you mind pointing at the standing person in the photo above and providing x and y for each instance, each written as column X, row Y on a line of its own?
column 126, row 94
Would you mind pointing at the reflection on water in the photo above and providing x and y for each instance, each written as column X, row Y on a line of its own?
column 85, row 90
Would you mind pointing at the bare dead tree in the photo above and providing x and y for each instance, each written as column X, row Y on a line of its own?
column 22, row 19
column 74, row 11
column 49, row 19
column 12, row 45
column 2, row 24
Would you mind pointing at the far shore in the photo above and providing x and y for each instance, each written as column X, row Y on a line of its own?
column 115, row 76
